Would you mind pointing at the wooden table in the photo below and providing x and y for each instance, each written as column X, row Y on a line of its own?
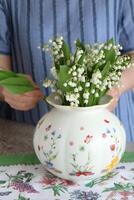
column 15, row 137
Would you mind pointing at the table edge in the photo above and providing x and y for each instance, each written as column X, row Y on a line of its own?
column 31, row 159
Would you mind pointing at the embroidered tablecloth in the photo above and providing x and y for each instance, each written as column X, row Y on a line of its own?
column 22, row 177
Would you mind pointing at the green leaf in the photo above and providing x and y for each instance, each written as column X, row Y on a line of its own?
column 63, row 76
column 59, row 188
column 54, row 98
column 53, row 157
column 80, row 45
column 66, row 51
column 2, row 182
column 80, row 62
column 21, row 90
column 109, row 189
column 110, row 41
column 110, row 55
column 6, row 74
column 17, row 85
column 90, row 184
column 22, row 198
column 106, row 69
column 118, row 186
column 105, row 99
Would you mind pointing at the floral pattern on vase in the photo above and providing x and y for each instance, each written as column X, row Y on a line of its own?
column 50, row 154
column 83, row 170
column 67, row 137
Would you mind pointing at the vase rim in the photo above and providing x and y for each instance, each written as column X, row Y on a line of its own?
column 74, row 108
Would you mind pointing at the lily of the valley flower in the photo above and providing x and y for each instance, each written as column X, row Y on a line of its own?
column 83, row 77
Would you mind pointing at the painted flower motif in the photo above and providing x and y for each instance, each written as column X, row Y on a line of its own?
column 51, row 154
column 104, row 135
column 49, row 181
column 112, row 147
column 101, row 180
column 107, row 121
column 84, row 195
column 113, row 163
column 5, row 193
column 81, row 148
column 38, row 148
column 71, row 143
column 88, row 139
column 49, row 164
column 67, row 182
column 53, row 133
column 45, row 137
column 59, row 136
column 23, row 187
column 121, row 188
column 22, row 198
column 57, row 185
column 81, row 128
column 124, row 178
column 108, row 131
column 114, row 130
column 120, row 167
column 48, row 127
column 80, row 170
column 79, row 173
column 125, row 194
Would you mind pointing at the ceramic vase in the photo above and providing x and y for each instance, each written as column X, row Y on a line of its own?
column 79, row 143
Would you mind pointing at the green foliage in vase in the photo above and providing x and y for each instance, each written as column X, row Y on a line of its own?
column 83, row 78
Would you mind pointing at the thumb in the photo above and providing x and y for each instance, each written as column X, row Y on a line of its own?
column 114, row 92
column 31, row 80
column 1, row 90
column 112, row 104
column 1, row 94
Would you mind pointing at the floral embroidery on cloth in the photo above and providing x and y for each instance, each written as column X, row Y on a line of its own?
column 32, row 182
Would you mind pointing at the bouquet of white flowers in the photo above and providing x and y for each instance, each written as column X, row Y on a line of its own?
column 83, row 78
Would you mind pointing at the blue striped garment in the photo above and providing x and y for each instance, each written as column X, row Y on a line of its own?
column 27, row 24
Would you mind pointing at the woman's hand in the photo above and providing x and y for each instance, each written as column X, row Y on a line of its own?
column 115, row 93
column 126, row 83
column 24, row 101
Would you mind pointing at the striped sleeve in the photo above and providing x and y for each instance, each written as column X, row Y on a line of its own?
column 4, row 30
column 126, row 26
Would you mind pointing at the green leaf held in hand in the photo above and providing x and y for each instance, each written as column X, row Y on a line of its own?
column 17, row 85
column 6, row 74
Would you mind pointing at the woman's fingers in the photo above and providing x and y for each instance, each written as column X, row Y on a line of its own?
column 35, row 92
column 24, row 101
column 115, row 93
column 22, row 97
column 34, row 84
column 112, row 104
column 22, row 105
